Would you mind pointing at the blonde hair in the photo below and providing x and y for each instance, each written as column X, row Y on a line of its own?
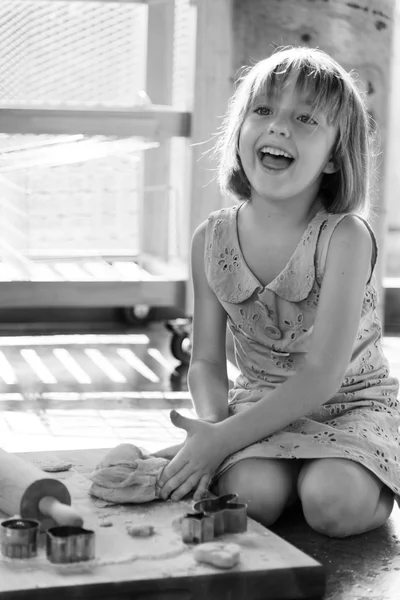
column 332, row 90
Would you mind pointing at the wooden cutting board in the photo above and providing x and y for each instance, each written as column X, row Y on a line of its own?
column 161, row 566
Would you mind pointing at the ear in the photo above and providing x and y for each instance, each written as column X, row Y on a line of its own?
column 330, row 168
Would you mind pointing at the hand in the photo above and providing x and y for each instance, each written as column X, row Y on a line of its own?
column 203, row 488
column 195, row 462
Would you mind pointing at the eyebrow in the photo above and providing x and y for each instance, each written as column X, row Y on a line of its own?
column 271, row 97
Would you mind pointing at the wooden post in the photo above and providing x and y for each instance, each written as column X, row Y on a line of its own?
column 392, row 171
column 154, row 238
column 213, row 88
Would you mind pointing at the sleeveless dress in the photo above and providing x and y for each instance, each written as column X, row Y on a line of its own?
column 271, row 328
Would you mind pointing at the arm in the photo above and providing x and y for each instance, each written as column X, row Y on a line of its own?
column 335, row 329
column 207, row 376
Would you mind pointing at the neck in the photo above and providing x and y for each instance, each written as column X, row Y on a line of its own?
column 285, row 213
column 294, row 210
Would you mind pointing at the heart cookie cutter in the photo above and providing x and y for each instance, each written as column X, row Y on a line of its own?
column 213, row 517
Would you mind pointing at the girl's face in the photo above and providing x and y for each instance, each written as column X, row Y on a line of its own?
column 284, row 146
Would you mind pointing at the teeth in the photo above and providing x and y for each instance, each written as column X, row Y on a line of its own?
column 275, row 151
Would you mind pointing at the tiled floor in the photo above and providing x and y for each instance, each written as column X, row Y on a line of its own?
column 128, row 398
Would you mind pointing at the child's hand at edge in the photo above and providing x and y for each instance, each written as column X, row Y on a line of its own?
column 194, row 464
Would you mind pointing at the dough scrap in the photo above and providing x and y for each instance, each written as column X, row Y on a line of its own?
column 127, row 474
column 218, row 554
column 140, row 530
column 53, row 466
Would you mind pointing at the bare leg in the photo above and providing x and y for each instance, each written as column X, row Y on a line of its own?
column 341, row 497
column 266, row 485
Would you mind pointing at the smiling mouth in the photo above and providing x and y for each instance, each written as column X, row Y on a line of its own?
column 275, row 159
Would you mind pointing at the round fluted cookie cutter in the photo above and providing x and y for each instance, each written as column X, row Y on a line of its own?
column 67, row 544
column 19, row 537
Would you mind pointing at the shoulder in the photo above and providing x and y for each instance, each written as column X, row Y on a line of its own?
column 346, row 232
column 199, row 235
column 351, row 244
column 198, row 247
column 217, row 225
column 352, row 226
column 353, row 234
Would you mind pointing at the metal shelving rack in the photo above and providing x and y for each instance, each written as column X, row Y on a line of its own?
column 150, row 278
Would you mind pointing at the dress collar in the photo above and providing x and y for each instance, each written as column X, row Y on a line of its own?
column 293, row 283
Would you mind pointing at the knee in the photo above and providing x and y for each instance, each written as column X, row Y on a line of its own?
column 332, row 508
column 325, row 512
column 264, row 497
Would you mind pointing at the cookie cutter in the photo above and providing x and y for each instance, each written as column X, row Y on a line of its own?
column 197, row 528
column 19, row 537
column 68, row 544
column 223, row 513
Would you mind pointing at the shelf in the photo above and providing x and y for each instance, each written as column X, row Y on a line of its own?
column 155, row 122
column 89, row 283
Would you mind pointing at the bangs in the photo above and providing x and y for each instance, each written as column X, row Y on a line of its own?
column 315, row 82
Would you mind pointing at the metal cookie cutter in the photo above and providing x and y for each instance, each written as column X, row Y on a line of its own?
column 197, row 528
column 19, row 537
column 229, row 516
column 69, row 544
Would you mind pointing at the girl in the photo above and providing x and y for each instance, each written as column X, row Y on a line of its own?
column 314, row 413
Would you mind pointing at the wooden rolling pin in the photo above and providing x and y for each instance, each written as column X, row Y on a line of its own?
column 25, row 492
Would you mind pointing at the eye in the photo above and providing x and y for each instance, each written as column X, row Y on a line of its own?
column 308, row 119
column 263, row 111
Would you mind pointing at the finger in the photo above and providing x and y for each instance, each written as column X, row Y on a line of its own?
column 202, row 490
column 174, row 482
column 169, row 452
column 186, row 487
column 171, row 470
column 180, row 421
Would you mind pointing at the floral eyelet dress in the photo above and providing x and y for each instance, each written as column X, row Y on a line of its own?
column 271, row 327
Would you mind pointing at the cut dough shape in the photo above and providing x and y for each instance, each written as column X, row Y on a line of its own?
column 218, row 554
column 140, row 530
column 53, row 466
column 127, row 474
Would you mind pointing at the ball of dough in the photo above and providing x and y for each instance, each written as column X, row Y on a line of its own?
column 218, row 554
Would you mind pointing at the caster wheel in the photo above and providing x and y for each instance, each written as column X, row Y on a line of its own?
column 181, row 347
column 178, row 378
column 138, row 314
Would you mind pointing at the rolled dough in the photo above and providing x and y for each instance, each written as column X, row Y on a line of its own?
column 53, row 466
column 127, row 474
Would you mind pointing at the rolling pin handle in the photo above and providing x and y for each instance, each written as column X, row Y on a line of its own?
column 61, row 513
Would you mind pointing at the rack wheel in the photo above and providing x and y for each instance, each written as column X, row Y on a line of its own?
column 139, row 314
column 181, row 344
column 181, row 347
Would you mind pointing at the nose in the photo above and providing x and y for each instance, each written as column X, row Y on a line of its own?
column 279, row 127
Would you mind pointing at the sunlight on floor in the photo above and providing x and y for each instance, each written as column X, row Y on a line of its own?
column 71, row 428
